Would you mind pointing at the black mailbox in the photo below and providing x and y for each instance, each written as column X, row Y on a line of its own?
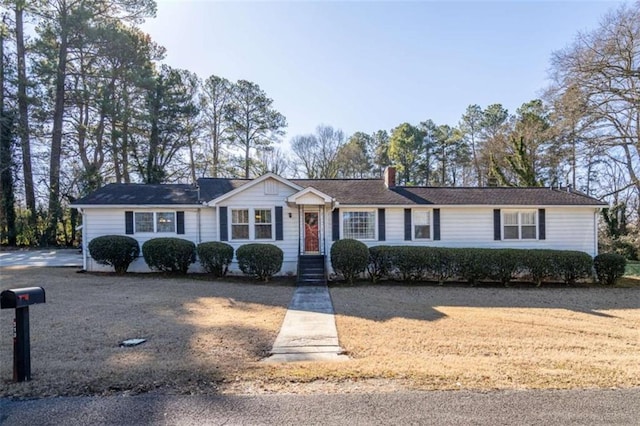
column 21, row 297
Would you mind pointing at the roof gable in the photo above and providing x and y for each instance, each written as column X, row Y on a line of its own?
column 250, row 184
column 310, row 196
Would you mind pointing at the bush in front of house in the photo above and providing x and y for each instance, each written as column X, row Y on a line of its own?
column 114, row 250
column 215, row 257
column 349, row 258
column 409, row 261
column 571, row 266
column 441, row 263
column 473, row 264
column 609, row 267
column 504, row 264
column 539, row 264
column 173, row 255
column 380, row 262
column 262, row 261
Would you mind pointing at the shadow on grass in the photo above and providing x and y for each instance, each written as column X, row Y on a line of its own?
column 381, row 302
column 199, row 334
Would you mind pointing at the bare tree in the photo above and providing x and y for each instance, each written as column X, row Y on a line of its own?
column 604, row 65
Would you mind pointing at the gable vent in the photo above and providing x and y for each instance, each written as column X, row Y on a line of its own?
column 270, row 187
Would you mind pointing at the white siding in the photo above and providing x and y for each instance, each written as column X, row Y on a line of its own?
column 255, row 197
column 567, row 228
column 98, row 222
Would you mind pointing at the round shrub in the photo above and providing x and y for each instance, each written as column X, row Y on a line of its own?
column 169, row 254
column 260, row 260
column 114, row 250
column 349, row 258
column 609, row 267
column 215, row 257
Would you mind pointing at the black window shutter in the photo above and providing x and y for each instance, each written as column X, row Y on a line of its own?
column 497, row 232
column 407, row 224
column 180, row 222
column 381, row 225
column 436, row 224
column 335, row 224
column 542, row 226
column 224, row 229
column 279, row 223
column 128, row 223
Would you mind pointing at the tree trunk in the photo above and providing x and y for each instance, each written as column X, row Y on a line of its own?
column 7, row 204
column 56, row 140
column 23, row 120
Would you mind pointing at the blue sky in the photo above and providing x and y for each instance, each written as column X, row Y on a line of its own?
column 365, row 66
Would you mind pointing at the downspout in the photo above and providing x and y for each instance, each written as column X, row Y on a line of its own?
column 300, row 233
column 199, row 235
column 595, row 232
column 84, row 239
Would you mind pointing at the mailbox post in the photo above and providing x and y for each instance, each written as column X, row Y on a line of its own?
column 20, row 299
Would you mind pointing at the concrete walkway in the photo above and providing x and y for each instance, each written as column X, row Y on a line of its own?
column 308, row 331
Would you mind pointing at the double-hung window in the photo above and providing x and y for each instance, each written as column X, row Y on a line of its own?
column 520, row 225
column 251, row 224
column 161, row 222
column 263, row 224
column 359, row 224
column 240, row 224
column 421, row 224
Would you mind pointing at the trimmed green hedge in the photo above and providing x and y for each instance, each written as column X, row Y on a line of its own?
column 169, row 254
column 349, row 258
column 114, row 250
column 260, row 260
column 380, row 262
column 474, row 265
column 609, row 267
column 215, row 257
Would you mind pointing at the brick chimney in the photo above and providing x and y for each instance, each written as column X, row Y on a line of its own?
column 390, row 177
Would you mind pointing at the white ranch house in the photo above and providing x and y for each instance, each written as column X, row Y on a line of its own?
column 305, row 216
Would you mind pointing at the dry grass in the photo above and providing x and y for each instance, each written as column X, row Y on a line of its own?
column 200, row 333
column 208, row 337
column 489, row 338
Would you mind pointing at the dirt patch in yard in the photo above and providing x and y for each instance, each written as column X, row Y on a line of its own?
column 209, row 337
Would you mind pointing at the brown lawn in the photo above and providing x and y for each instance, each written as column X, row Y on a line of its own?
column 489, row 338
column 209, row 336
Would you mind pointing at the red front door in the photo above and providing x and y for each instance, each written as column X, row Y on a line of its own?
column 311, row 243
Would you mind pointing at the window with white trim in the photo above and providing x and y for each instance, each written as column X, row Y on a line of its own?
column 240, row 224
column 160, row 222
column 359, row 224
column 263, row 224
column 421, row 224
column 252, row 224
column 520, row 225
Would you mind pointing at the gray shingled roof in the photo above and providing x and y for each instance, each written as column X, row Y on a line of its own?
column 141, row 194
column 542, row 196
column 374, row 191
column 344, row 191
column 212, row 188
